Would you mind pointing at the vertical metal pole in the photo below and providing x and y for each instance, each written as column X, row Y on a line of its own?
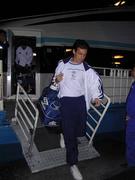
column 1, row 86
column 9, row 63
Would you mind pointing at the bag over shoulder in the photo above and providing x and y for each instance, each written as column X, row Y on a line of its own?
column 49, row 107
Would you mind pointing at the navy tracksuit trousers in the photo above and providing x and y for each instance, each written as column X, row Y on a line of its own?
column 74, row 115
column 130, row 142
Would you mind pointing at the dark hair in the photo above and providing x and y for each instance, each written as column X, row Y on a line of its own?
column 133, row 66
column 79, row 43
column 3, row 32
column 3, row 39
column 23, row 42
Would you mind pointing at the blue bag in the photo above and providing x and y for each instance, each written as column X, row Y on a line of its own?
column 49, row 107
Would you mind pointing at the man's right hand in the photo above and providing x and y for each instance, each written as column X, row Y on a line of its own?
column 59, row 78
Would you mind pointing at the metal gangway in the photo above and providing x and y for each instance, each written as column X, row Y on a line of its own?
column 25, row 125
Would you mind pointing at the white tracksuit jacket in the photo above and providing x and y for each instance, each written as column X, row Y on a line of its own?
column 93, row 83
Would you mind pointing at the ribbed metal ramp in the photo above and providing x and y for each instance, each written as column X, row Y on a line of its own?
column 38, row 161
column 25, row 125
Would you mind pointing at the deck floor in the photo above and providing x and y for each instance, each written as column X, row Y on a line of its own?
column 109, row 166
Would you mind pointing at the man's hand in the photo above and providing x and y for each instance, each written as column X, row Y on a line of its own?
column 59, row 78
column 127, row 117
column 97, row 102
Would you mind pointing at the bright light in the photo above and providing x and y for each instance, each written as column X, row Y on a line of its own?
column 123, row 2
column 34, row 54
column 117, row 3
column 1, row 47
column 68, row 50
column 8, row 77
column 117, row 63
column 118, row 56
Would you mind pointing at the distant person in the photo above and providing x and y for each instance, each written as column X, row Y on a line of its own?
column 24, row 57
column 3, row 39
column 23, row 64
column 3, row 48
column 78, row 85
column 130, row 128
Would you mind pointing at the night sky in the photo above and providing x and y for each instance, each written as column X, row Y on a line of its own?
column 12, row 9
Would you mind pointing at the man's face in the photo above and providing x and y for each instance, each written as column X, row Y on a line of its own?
column 80, row 55
column 2, row 37
column 133, row 73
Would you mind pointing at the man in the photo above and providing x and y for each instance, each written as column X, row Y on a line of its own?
column 78, row 85
column 130, row 129
column 3, row 48
column 23, row 63
column 24, row 55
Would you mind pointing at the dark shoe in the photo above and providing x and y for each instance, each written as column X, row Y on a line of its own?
column 124, row 165
column 131, row 168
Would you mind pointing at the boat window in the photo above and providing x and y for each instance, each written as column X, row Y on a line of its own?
column 50, row 55
column 97, row 57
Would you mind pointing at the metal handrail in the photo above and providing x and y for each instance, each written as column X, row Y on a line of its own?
column 26, row 120
column 94, row 129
